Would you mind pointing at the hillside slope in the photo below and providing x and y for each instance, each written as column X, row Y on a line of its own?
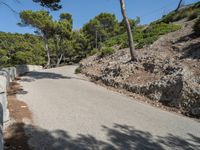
column 167, row 72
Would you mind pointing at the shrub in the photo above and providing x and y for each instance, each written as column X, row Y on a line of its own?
column 93, row 51
column 147, row 41
column 78, row 70
column 106, row 51
column 193, row 15
column 196, row 27
column 153, row 31
column 168, row 18
column 180, row 15
column 117, row 40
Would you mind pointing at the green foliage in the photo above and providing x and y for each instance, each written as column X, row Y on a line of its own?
column 3, row 58
column 117, row 40
column 40, row 20
column 146, row 41
column 20, row 49
column 143, row 36
column 106, row 51
column 100, row 28
column 52, row 4
column 133, row 24
column 78, row 70
column 93, row 51
column 196, row 27
column 159, row 29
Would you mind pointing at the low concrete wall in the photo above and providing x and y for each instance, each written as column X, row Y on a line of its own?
column 7, row 75
column 4, row 113
column 1, row 124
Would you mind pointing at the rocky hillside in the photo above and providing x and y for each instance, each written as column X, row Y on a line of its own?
column 168, row 71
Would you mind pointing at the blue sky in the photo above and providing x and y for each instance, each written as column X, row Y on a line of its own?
column 84, row 10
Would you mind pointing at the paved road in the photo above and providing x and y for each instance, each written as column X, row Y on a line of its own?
column 71, row 113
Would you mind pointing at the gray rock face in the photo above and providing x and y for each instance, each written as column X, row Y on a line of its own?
column 196, row 111
column 167, row 89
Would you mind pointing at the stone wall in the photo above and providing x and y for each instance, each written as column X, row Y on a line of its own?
column 7, row 75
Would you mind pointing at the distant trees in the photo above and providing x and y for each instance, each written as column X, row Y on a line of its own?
column 62, row 31
column 20, row 49
column 42, row 22
column 54, row 4
column 100, row 28
column 48, row 29
column 61, row 43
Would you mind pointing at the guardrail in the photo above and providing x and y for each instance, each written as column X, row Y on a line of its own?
column 7, row 75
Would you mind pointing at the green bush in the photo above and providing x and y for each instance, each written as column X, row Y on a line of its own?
column 116, row 40
column 147, row 41
column 143, row 37
column 160, row 29
column 106, row 51
column 153, row 31
column 168, row 18
column 93, row 51
column 196, row 27
column 193, row 15
column 78, row 70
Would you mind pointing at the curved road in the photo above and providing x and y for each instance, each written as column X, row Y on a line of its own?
column 70, row 113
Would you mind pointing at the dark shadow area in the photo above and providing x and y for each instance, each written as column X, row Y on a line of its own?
column 21, row 92
column 120, row 137
column 192, row 51
column 180, row 143
column 127, row 137
column 187, row 38
column 45, row 75
column 16, row 138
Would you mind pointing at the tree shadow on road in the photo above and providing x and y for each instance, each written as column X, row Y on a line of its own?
column 32, row 76
column 120, row 137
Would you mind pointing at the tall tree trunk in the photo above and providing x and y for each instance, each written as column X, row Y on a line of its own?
column 129, row 32
column 96, row 39
column 59, row 50
column 179, row 5
column 59, row 60
column 47, row 52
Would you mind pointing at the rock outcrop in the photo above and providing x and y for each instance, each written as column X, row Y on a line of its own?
column 168, row 71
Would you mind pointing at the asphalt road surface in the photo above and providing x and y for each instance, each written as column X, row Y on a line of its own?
column 70, row 113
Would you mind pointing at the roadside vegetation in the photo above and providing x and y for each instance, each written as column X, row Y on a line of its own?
column 55, row 43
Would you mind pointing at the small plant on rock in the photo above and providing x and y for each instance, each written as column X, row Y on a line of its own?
column 106, row 51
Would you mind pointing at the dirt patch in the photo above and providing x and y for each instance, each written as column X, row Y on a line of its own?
column 14, row 134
